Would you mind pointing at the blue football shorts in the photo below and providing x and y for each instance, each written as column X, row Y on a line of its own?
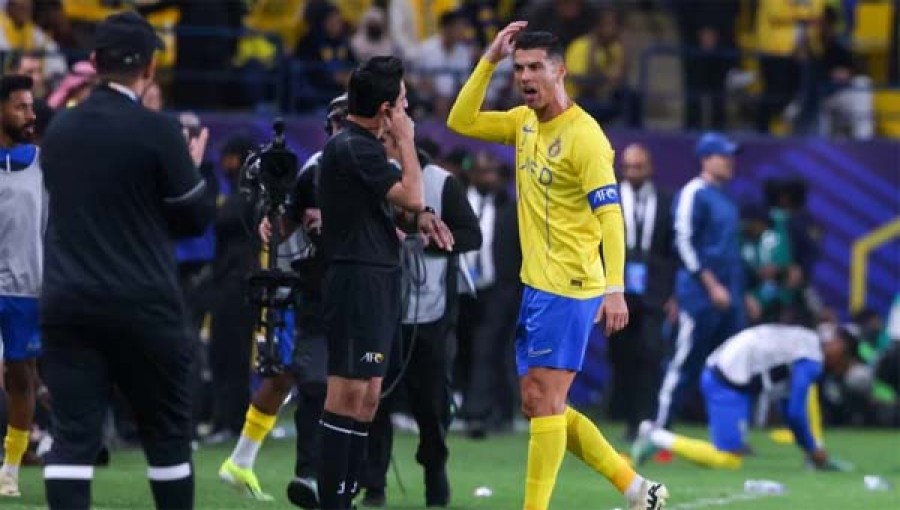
column 552, row 331
column 728, row 410
column 19, row 329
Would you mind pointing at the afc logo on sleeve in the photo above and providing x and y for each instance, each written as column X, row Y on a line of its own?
column 606, row 195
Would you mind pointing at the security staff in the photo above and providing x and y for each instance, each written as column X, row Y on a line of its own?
column 637, row 350
column 123, row 182
column 424, row 357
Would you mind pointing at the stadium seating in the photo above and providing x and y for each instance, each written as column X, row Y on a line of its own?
column 887, row 113
column 872, row 36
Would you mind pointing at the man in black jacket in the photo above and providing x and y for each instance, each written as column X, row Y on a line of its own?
column 492, row 383
column 423, row 358
column 122, row 182
column 636, row 352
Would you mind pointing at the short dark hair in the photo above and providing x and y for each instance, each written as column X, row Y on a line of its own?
column 540, row 40
column 375, row 82
column 14, row 83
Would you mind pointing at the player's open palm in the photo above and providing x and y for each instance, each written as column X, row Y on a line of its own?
column 504, row 42
column 614, row 312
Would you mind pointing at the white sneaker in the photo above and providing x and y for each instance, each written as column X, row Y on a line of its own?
column 653, row 496
column 643, row 448
column 9, row 485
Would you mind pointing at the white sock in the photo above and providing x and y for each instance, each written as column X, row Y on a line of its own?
column 662, row 438
column 634, row 488
column 244, row 454
column 10, row 470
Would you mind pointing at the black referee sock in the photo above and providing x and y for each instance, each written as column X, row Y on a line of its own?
column 172, row 486
column 65, row 494
column 336, row 433
column 358, row 446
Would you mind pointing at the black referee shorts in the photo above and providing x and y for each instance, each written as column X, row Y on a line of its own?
column 361, row 317
column 149, row 363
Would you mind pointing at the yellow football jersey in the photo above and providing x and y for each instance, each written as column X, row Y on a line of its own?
column 564, row 175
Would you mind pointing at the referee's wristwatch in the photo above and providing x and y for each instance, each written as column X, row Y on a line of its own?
column 427, row 209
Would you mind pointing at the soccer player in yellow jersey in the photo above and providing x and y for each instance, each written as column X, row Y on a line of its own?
column 568, row 205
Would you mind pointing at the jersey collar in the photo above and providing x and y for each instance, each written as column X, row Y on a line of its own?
column 125, row 91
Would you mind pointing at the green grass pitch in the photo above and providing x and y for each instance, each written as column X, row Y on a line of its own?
column 499, row 463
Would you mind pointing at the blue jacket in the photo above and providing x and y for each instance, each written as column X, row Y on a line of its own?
column 707, row 237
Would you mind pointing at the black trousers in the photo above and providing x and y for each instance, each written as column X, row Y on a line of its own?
column 636, row 355
column 309, row 368
column 427, row 385
column 492, row 391
column 196, row 287
column 229, row 353
column 149, row 362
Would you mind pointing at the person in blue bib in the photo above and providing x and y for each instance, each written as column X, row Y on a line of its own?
column 23, row 216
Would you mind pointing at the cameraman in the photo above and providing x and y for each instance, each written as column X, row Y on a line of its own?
column 122, row 183
column 424, row 356
column 305, row 356
column 356, row 192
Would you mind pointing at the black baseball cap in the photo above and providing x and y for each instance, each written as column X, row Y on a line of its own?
column 129, row 37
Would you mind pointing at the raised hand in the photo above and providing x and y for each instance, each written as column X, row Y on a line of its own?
column 504, row 43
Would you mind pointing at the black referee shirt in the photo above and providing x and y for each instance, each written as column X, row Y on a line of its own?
column 122, row 185
column 357, row 220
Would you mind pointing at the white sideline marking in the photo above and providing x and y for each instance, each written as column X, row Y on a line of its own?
column 717, row 501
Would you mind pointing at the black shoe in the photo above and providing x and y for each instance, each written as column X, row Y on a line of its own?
column 102, row 457
column 476, row 429
column 374, row 498
column 437, row 488
column 302, row 492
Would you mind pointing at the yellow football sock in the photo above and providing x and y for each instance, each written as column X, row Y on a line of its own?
column 814, row 410
column 257, row 424
column 15, row 444
column 586, row 442
column 546, row 449
column 704, row 453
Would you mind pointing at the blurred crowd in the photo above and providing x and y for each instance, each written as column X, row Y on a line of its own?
column 799, row 66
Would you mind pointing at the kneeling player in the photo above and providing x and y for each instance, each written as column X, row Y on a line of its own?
column 784, row 360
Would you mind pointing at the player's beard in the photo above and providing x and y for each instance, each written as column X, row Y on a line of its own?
column 18, row 134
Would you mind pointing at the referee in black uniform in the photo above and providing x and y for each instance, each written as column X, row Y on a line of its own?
column 357, row 192
column 123, row 183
